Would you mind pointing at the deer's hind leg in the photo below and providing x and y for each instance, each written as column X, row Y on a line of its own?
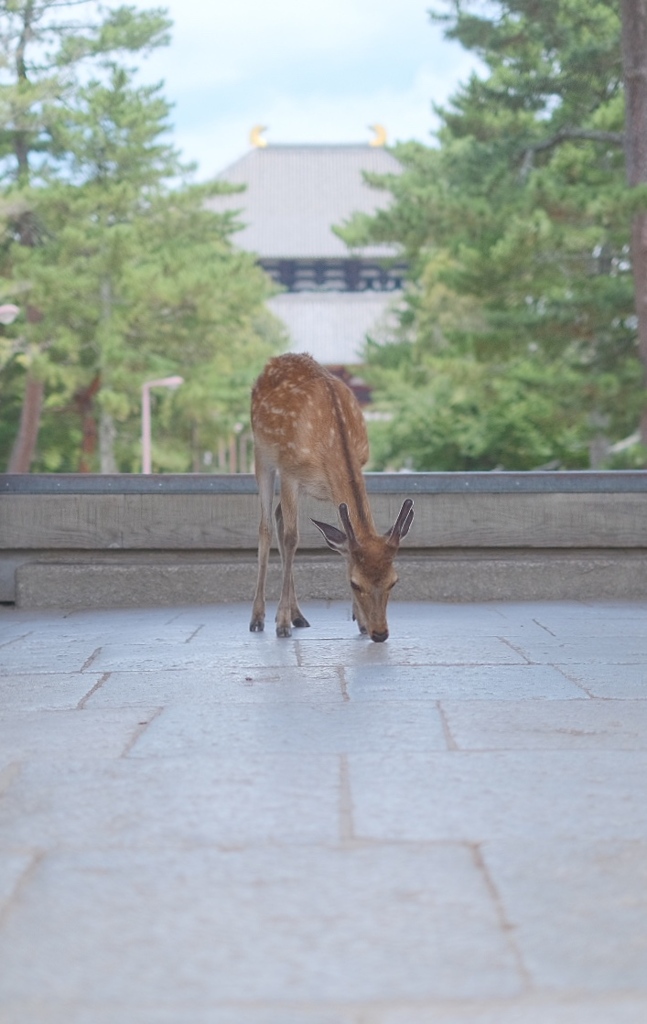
column 297, row 617
column 265, row 477
column 288, row 532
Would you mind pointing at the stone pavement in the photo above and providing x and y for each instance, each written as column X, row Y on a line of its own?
column 199, row 825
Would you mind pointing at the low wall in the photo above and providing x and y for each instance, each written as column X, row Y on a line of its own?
column 127, row 540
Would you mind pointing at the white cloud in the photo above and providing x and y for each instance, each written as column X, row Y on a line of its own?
column 294, row 118
column 312, row 72
column 248, row 36
column 224, row 44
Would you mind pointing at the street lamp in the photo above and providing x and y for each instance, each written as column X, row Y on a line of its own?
column 165, row 382
column 8, row 313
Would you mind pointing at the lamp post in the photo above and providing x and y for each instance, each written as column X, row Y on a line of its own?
column 165, row 382
column 8, row 313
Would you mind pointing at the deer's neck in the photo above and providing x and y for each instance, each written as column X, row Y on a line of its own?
column 345, row 478
column 347, row 485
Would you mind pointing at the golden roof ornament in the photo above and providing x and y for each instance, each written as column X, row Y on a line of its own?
column 380, row 135
column 256, row 136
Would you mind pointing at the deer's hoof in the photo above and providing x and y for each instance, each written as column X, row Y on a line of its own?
column 283, row 631
column 300, row 622
column 256, row 626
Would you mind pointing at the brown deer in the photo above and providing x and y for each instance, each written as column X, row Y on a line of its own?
column 308, row 426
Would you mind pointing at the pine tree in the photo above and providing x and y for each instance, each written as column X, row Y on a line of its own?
column 138, row 277
column 516, row 226
column 44, row 46
column 634, row 54
column 128, row 276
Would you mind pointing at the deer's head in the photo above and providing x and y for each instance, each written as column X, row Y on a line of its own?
column 371, row 571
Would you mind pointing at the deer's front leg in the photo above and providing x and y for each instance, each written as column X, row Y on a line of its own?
column 265, row 478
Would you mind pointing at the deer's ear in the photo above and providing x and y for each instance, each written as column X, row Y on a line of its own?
column 402, row 524
column 333, row 537
column 344, row 515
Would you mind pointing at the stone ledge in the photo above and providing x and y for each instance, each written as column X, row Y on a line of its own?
column 520, row 576
column 80, row 541
column 229, row 522
column 494, row 482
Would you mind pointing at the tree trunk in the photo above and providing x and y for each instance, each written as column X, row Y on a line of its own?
column 88, row 443
column 634, row 61
column 25, row 444
column 107, row 429
column 84, row 402
column 639, row 261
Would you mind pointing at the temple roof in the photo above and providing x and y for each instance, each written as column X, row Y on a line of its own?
column 296, row 193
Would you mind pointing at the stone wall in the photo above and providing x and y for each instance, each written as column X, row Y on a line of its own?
column 118, row 541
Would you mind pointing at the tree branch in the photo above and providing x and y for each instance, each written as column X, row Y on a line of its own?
column 564, row 135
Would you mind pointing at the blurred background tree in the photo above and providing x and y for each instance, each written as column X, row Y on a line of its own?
column 522, row 338
column 122, row 273
column 518, row 341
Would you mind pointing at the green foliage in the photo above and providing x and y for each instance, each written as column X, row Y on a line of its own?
column 463, row 414
column 128, row 275
column 516, row 227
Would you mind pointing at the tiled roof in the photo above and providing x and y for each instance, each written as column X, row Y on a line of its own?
column 296, row 193
column 332, row 326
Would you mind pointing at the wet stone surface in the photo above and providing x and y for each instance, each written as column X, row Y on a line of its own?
column 199, row 824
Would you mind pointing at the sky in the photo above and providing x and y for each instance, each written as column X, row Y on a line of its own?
column 309, row 71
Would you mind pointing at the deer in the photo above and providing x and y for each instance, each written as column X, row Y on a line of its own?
column 308, row 427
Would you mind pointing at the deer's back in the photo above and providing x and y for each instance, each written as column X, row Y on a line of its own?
column 303, row 417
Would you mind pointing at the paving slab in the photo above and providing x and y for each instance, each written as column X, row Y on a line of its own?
column 583, row 650
column 46, row 735
column 132, row 629
column 196, row 687
column 322, row 728
column 573, row 619
column 547, row 725
column 472, row 796
column 32, row 691
column 77, row 1011
column 566, row 938
column 531, row 1010
column 135, row 802
column 617, row 1010
column 212, row 658
column 13, row 867
column 33, row 656
column 444, row 682
column 199, row 824
column 625, row 682
column 248, row 926
column 430, row 650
